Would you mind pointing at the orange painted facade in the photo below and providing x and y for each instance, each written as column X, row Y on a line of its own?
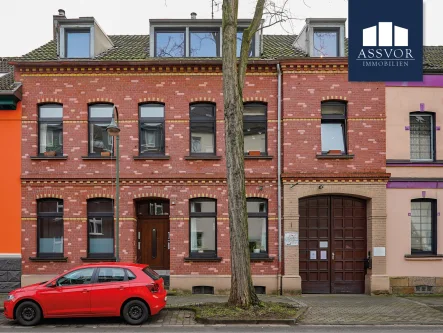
column 10, row 192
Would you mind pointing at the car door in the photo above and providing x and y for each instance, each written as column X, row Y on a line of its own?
column 70, row 296
column 109, row 291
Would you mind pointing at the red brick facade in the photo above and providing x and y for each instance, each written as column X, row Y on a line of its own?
column 76, row 179
column 179, row 179
column 303, row 93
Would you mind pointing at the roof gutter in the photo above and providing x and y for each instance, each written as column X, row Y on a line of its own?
column 162, row 62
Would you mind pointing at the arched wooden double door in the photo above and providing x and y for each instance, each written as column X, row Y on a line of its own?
column 332, row 244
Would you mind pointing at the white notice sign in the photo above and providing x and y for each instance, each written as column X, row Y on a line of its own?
column 323, row 255
column 313, row 255
column 291, row 238
column 324, row 245
column 379, row 252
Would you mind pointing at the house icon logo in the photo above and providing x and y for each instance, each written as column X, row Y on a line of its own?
column 385, row 32
column 385, row 41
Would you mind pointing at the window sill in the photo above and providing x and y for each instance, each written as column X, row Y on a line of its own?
column 98, row 157
column 424, row 257
column 261, row 258
column 49, row 157
column 203, row 259
column 153, row 157
column 261, row 157
column 414, row 163
column 104, row 259
column 203, row 157
column 333, row 157
column 49, row 259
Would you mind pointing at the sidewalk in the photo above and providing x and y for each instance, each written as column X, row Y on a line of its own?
column 347, row 309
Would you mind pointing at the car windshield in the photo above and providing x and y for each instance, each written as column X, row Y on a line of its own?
column 151, row 273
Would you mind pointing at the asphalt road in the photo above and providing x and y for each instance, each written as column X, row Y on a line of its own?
column 237, row 328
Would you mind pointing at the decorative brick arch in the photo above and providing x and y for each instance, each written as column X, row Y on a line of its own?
column 151, row 100
column 151, row 195
column 100, row 195
column 334, row 98
column 52, row 195
column 203, row 195
column 256, row 195
column 202, row 99
column 255, row 99
column 49, row 100
column 92, row 101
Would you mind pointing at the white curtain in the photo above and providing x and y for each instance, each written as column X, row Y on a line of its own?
column 43, row 134
column 194, row 234
column 263, row 235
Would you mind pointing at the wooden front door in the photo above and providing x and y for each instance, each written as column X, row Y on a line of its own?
column 332, row 244
column 153, row 233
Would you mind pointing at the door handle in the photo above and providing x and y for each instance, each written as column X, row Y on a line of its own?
column 333, row 255
column 85, row 290
column 122, row 288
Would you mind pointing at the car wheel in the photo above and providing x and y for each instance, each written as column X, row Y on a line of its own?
column 135, row 312
column 28, row 314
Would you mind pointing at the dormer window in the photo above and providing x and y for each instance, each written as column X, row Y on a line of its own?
column 204, row 43
column 170, row 43
column 78, row 43
column 322, row 38
column 79, row 38
column 239, row 41
column 326, row 43
column 178, row 38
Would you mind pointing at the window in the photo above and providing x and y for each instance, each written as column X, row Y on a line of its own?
column 202, row 129
column 169, row 43
column 153, row 207
column 326, row 42
column 333, row 127
column 100, row 116
column 424, row 226
column 78, row 43
column 257, row 226
column 50, row 124
column 204, row 43
column 50, row 228
column 422, row 136
column 203, row 231
column 255, row 128
column 80, row 276
column 131, row 276
column 151, row 273
column 108, row 274
column 152, row 129
column 100, row 228
column 239, row 41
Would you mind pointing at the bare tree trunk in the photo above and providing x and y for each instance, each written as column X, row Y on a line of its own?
column 242, row 290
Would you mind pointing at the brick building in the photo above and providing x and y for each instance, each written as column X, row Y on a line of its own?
column 173, row 200
column 306, row 128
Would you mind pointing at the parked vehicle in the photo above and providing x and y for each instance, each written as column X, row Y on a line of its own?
column 132, row 291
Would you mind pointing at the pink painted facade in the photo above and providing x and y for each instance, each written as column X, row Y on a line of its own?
column 412, row 180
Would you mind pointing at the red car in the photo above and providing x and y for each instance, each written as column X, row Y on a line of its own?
column 132, row 291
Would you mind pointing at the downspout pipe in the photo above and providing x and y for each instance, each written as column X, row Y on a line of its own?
column 279, row 189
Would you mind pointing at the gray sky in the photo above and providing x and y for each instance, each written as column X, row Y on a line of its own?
column 28, row 23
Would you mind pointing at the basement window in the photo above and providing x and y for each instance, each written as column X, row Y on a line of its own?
column 203, row 290
column 423, row 289
column 260, row 290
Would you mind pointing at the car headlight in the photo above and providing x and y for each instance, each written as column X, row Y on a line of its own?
column 10, row 298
